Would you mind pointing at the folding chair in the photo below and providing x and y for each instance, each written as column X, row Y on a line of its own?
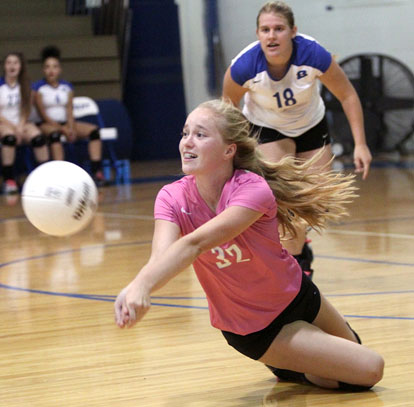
column 83, row 107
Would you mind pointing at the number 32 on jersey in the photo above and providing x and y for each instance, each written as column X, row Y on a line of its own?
column 227, row 257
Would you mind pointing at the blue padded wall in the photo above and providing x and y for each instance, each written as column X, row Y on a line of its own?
column 154, row 92
column 114, row 114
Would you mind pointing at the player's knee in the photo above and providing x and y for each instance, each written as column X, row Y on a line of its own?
column 38, row 141
column 374, row 370
column 377, row 369
column 9, row 140
column 372, row 377
column 94, row 135
column 54, row 137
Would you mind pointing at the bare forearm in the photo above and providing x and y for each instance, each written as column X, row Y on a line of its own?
column 231, row 90
column 157, row 272
column 353, row 111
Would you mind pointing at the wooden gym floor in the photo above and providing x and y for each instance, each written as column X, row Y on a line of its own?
column 59, row 345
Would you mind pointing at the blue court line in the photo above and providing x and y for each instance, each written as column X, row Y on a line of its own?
column 357, row 259
column 179, row 306
column 326, row 295
column 107, row 298
column 372, row 293
column 55, row 294
column 379, row 317
column 154, row 297
column 378, row 220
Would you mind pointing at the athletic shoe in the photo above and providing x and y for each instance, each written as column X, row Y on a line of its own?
column 10, row 187
column 288, row 375
column 99, row 179
column 11, row 199
column 305, row 259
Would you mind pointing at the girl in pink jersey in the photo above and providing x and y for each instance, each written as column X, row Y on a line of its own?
column 223, row 219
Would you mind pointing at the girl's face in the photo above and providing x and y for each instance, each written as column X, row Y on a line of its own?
column 275, row 36
column 12, row 67
column 51, row 69
column 202, row 148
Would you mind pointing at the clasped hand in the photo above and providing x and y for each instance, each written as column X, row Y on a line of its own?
column 132, row 303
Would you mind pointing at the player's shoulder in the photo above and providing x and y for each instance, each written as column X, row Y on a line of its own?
column 66, row 84
column 252, row 190
column 39, row 84
column 177, row 188
column 250, row 52
column 248, row 63
column 303, row 41
column 245, row 177
column 308, row 51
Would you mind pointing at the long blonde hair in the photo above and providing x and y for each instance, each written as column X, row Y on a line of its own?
column 302, row 195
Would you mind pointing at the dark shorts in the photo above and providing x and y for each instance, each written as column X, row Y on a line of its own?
column 40, row 123
column 304, row 307
column 314, row 138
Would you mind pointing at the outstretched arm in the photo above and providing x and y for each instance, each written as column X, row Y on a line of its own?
column 165, row 234
column 340, row 86
column 172, row 254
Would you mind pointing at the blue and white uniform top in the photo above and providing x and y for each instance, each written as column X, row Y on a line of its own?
column 10, row 101
column 291, row 105
column 55, row 98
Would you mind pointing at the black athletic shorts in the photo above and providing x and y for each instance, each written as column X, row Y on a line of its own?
column 304, row 307
column 40, row 123
column 314, row 138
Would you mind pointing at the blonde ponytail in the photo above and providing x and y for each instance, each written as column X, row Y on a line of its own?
column 302, row 195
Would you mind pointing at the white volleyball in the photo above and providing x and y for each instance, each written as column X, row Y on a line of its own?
column 59, row 198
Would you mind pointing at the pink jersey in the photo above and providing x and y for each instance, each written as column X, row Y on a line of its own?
column 251, row 279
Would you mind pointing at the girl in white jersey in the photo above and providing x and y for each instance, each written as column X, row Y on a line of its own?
column 278, row 78
column 223, row 219
column 15, row 104
column 53, row 99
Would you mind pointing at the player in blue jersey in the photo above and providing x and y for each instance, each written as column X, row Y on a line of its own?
column 53, row 100
column 15, row 103
column 278, row 78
